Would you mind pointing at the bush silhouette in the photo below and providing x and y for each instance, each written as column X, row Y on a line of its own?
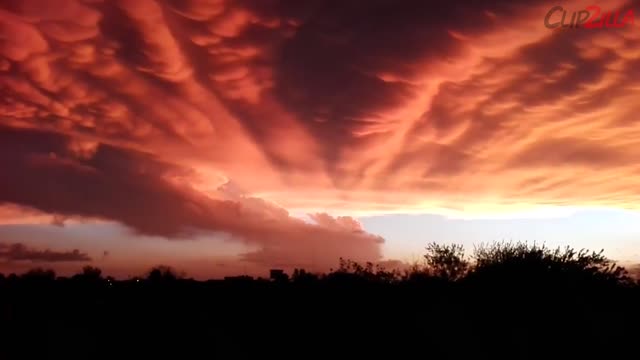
column 369, row 272
column 524, row 262
column 39, row 274
column 90, row 274
column 163, row 273
column 446, row 261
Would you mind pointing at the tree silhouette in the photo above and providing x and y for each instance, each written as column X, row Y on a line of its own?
column 39, row 274
column 370, row 272
column 446, row 261
column 302, row 276
column 526, row 261
column 163, row 273
column 89, row 273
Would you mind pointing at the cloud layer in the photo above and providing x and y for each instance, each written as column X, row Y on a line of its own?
column 155, row 198
column 20, row 252
column 177, row 117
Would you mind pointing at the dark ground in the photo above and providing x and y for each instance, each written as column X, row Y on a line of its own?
column 512, row 311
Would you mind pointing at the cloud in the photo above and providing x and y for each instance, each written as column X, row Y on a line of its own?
column 11, row 214
column 328, row 98
column 20, row 252
column 149, row 196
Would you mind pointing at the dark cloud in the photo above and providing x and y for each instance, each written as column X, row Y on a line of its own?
column 350, row 64
column 137, row 190
column 113, row 184
column 20, row 252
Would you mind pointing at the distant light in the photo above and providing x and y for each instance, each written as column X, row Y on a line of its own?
column 137, row 280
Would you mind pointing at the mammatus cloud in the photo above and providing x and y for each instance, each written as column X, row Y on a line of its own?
column 139, row 111
column 20, row 252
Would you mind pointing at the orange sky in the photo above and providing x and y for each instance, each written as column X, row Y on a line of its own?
column 175, row 118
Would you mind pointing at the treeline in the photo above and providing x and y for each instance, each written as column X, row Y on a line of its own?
column 504, row 300
column 442, row 262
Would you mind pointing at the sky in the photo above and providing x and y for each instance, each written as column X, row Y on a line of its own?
column 230, row 137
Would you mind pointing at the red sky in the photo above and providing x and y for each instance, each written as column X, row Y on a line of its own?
column 181, row 118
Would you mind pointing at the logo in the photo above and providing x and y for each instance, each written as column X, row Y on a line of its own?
column 592, row 17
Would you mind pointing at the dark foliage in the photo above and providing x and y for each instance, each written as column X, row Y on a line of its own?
column 446, row 261
column 163, row 273
column 514, row 301
column 522, row 262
